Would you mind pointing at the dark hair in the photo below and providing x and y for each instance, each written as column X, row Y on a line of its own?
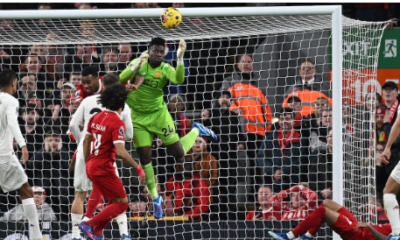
column 110, row 49
column 294, row 99
column 306, row 60
column 285, row 111
column 381, row 143
column 7, row 77
column 157, row 41
column 242, row 55
column 29, row 108
column 139, row 198
column 110, row 79
column 378, row 96
column 75, row 73
column 53, row 132
column 113, row 97
column 34, row 55
column 329, row 109
column 90, row 71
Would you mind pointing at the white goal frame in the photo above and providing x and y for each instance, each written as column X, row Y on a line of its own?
column 335, row 11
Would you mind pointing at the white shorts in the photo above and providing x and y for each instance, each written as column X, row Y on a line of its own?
column 81, row 181
column 395, row 174
column 12, row 175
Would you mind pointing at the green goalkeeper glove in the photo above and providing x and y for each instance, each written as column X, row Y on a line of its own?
column 142, row 59
column 181, row 51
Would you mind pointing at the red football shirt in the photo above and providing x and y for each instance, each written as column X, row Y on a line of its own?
column 81, row 91
column 106, row 129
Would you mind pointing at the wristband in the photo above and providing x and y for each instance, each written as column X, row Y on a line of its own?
column 140, row 171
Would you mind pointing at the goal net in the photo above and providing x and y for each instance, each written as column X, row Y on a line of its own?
column 49, row 55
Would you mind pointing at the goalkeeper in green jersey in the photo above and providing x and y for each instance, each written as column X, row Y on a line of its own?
column 149, row 111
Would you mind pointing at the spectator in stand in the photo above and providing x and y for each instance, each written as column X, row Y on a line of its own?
column 138, row 206
column 55, row 57
column 110, row 61
column 27, row 87
column 390, row 96
column 44, row 210
column 318, row 141
column 381, row 175
column 371, row 101
column 85, row 6
column 176, row 106
column 265, row 211
column 283, row 150
column 139, row 5
column 302, row 123
column 320, row 171
column 205, row 163
column 372, row 12
column 302, row 202
column 39, row 105
column 60, row 110
column 31, row 128
column 320, row 105
column 226, row 125
column 75, row 78
column 125, row 54
column 86, row 56
column 50, row 166
column 278, row 182
column 34, row 69
column 35, row 50
column 374, row 209
column 188, row 191
column 309, row 81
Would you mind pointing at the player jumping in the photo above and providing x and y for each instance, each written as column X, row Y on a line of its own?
column 12, row 175
column 339, row 220
column 149, row 112
column 89, row 107
column 105, row 137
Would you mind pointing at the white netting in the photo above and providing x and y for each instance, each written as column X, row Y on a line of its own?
column 277, row 45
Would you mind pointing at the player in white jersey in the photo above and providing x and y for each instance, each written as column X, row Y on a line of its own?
column 392, row 187
column 87, row 109
column 12, row 175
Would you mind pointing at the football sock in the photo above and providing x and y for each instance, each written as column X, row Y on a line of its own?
column 101, row 220
column 94, row 199
column 392, row 212
column 312, row 221
column 76, row 219
column 188, row 140
column 32, row 216
column 122, row 221
column 150, row 180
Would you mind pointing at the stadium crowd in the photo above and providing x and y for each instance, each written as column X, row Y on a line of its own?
column 286, row 164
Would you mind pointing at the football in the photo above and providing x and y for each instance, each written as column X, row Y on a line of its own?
column 171, row 18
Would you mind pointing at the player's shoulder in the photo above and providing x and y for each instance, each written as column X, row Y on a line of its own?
column 167, row 67
column 8, row 99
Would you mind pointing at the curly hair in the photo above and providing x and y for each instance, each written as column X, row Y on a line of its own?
column 157, row 41
column 113, row 97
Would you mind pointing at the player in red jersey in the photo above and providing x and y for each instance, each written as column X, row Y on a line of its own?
column 106, row 132
column 339, row 220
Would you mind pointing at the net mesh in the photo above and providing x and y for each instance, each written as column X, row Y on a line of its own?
column 234, row 168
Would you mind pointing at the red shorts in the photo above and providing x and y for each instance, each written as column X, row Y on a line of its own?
column 345, row 225
column 110, row 186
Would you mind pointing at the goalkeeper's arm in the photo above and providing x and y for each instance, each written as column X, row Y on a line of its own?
column 133, row 67
column 178, row 76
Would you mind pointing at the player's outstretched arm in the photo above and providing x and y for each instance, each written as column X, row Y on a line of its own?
column 86, row 146
column 127, row 159
column 178, row 76
column 133, row 67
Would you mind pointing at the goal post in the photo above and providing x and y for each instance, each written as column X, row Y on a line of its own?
column 215, row 30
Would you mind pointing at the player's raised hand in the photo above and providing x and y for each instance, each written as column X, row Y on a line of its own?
column 25, row 154
column 181, row 51
column 142, row 59
column 386, row 156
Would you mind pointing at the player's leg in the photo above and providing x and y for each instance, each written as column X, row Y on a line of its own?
column 82, row 185
column 30, row 211
column 312, row 223
column 390, row 191
column 94, row 199
column 112, row 189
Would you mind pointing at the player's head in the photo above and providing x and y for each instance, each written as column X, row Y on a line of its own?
column 156, row 51
column 110, row 79
column 90, row 79
column 8, row 80
column 113, row 98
